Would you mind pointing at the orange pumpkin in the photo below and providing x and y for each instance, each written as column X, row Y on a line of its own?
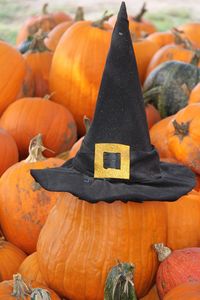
column 152, row 294
column 75, row 74
column 188, row 290
column 152, row 114
column 195, row 94
column 183, row 136
column 170, row 52
column 46, row 21
column 161, row 38
column 54, row 122
column 39, row 58
column 190, row 31
column 28, row 85
column 57, row 32
column 24, row 205
column 81, row 254
column 12, row 72
column 29, row 269
column 8, row 151
column 11, row 258
column 176, row 267
column 143, row 57
column 19, row 290
column 138, row 26
column 159, row 138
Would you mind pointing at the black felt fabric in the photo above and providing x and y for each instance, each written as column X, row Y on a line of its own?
column 119, row 119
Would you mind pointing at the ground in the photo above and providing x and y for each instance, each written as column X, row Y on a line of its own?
column 164, row 13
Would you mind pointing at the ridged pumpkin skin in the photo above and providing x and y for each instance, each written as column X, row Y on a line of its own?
column 152, row 294
column 77, row 69
column 29, row 269
column 88, row 238
column 161, row 38
column 24, row 205
column 54, row 122
column 11, row 258
column 8, row 151
column 173, row 82
column 6, row 289
column 12, row 72
column 188, row 290
column 195, row 94
column 179, row 267
column 183, row 136
column 158, row 136
column 170, row 52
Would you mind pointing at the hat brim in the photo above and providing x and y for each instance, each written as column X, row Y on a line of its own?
column 175, row 181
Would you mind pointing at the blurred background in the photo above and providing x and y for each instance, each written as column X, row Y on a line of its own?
column 164, row 14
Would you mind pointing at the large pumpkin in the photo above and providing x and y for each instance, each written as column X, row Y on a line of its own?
column 12, row 72
column 168, row 86
column 27, row 117
column 29, row 269
column 24, row 205
column 77, row 68
column 75, row 256
column 8, row 151
column 11, row 258
column 183, row 136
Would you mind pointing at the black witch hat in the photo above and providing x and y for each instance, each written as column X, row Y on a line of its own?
column 116, row 160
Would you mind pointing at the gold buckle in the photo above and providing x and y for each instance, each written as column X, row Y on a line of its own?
column 101, row 172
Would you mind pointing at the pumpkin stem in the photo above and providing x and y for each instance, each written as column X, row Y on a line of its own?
column 162, row 251
column 36, row 148
column 149, row 95
column 79, row 16
column 100, row 23
column 182, row 129
column 87, row 123
column 37, row 43
column 40, row 294
column 119, row 283
column 138, row 17
column 196, row 58
column 44, row 9
column 49, row 96
column 20, row 288
column 179, row 40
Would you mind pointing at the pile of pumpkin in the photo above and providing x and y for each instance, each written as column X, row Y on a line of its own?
column 49, row 82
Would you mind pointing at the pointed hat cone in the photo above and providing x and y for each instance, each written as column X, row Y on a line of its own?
column 116, row 160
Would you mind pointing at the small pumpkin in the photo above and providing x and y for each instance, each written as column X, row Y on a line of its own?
column 11, row 258
column 187, row 290
column 12, row 72
column 38, row 58
column 18, row 289
column 57, row 32
column 195, row 94
column 54, row 122
column 161, row 38
column 27, row 200
column 45, row 21
column 29, row 269
column 176, row 267
column 138, row 26
column 190, row 31
column 9, row 154
column 169, row 85
column 183, row 136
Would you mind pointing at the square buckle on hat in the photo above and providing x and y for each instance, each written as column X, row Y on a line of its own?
column 112, row 161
